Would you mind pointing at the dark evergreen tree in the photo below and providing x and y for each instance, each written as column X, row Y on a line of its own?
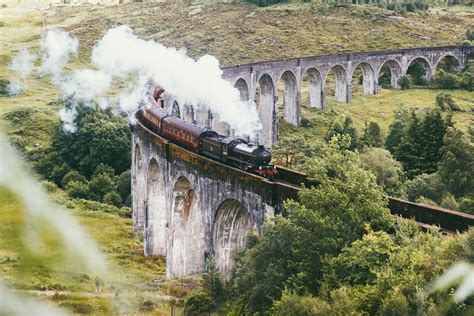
column 456, row 167
column 408, row 151
column 372, row 135
column 347, row 128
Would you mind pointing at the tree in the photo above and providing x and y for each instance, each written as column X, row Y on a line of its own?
column 101, row 137
column 327, row 218
column 347, row 128
column 100, row 185
column 456, row 167
column 373, row 135
column 73, row 176
column 293, row 151
column 212, row 283
column 404, row 82
column 124, row 184
column 77, row 190
column 425, row 185
column 387, row 170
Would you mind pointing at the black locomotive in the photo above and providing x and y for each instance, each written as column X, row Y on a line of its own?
column 230, row 150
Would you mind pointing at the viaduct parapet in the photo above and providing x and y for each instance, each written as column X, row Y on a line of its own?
column 261, row 81
column 189, row 208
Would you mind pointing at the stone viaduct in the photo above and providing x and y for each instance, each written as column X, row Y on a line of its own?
column 262, row 81
column 189, row 208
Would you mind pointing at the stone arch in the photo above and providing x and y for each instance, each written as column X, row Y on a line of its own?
column 265, row 100
column 243, row 88
column 369, row 80
column 395, row 70
column 316, row 92
column 156, row 231
column 454, row 63
column 139, row 191
column 291, row 98
column 424, row 63
column 186, row 231
column 175, row 111
column 342, row 89
column 231, row 226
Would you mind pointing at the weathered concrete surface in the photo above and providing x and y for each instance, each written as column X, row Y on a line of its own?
column 259, row 81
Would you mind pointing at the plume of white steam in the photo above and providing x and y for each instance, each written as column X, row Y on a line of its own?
column 37, row 208
column 15, row 304
column 23, row 65
column 14, row 88
column 461, row 270
column 120, row 56
column 57, row 46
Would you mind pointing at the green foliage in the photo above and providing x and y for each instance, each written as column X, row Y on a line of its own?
column 113, row 198
column 388, row 171
column 4, row 87
column 124, row 184
column 73, row 176
column 356, row 264
column 373, row 135
column 347, row 128
column 329, row 217
column 293, row 151
column 426, row 185
column 101, row 137
column 404, row 82
column 212, row 283
column 77, row 189
column 445, row 102
column 415, row 140
column 417, row 71
column 469, row 35
column 300, row 305
column 457, row 163
column 100, row 185
column 449, row 202
column 197, row 302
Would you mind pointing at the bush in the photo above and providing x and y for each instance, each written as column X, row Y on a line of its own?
column 4, row 83
column 466, row 205
column 125, row 212
column 387, row 170
column 197, row 302
column 113, row 198
column 404, row 82
column 100, row 185
column 77, row 189
column 427, row 185
column 73, row 176
column 446, row 80
column 124, row 184
column 293, row 304
column 449, row 202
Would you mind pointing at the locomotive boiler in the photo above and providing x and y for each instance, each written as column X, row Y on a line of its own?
column 229, row 150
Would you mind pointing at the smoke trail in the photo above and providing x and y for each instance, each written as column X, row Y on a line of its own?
column 56, row 46
column 23, row 65
column 15, row 304
column 37, row 208
column 121, row 57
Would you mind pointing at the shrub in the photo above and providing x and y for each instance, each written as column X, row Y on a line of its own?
column 293, row 304
column 125, row 212
column 113, row 198
column 466, row 205
column 4, row 83
column 404, row 82
column 73, row 176
column 100, row 185
column 446, row 80
column 426, row 185
column 77, row 189
column 449, row 202
column 124, row 185
column 197, row 302
column 49, row 186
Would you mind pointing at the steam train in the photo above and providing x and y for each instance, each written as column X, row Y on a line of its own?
column 229, row 150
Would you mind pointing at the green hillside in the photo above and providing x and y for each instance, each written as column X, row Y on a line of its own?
column 235, row 34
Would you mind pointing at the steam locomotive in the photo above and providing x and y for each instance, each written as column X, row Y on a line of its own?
column 229, row 150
